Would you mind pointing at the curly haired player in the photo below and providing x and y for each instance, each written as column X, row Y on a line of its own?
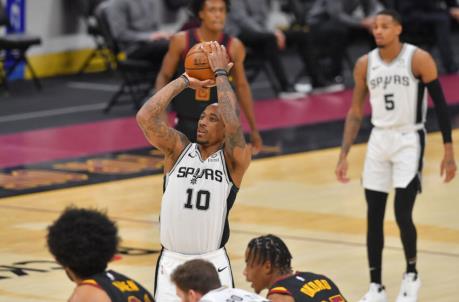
column 83, row 241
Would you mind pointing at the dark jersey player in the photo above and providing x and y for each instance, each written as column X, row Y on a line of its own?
column 83, row 242
column 268, row 265
column 189, row 104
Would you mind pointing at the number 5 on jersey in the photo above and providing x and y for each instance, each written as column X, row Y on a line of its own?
column 389, row 101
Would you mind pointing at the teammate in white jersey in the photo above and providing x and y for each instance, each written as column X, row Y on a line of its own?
column 395, row 76
column 197, row 280
column 200, row 180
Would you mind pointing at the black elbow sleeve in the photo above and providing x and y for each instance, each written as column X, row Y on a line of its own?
column 441, row 109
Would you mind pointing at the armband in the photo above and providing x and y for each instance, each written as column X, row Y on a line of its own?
column 441, row 109
column 220, row 72
column 185, row 79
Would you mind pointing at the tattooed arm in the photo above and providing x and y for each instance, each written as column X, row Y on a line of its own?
column 353, row 118
column 170, row 141
column 236, row 148
column 237, row 151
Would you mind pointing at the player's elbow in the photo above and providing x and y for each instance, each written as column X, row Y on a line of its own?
column 242, row 85
column 142, row 117
column 165, row 76
column 162, row 79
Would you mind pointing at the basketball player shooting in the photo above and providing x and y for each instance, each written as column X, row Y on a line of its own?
column 395, row 74
column 201, row 179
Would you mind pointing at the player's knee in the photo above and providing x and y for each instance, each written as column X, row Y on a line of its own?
column 404, row 220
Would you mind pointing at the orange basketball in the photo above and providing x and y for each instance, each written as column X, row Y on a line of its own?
column 197, row 64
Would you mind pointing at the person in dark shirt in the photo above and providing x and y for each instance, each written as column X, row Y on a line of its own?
column 436, row 16
column 268, row 265
column 83, row 241
column 333, row 25
column 191, row 103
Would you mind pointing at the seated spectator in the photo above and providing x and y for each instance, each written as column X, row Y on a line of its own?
column 435, row 15
column 268, row 266
column 248, row 21
column 135, row 25
column 83, row 242
column 331, row 24
column 197, row 280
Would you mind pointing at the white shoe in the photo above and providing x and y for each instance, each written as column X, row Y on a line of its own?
column 409, row 289
column 376, row 293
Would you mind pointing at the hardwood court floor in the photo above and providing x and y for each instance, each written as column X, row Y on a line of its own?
column 294, row 196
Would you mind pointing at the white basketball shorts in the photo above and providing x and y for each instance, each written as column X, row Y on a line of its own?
column 168, row 261
column 393, row 159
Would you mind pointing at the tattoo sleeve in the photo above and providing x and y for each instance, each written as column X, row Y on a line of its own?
column 152, row 118
column 355, row 114
column 351, row 129
column 227, row 104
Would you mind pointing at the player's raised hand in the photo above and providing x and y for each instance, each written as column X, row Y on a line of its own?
column 341, row 171
column 198, row 84
column 217, row 56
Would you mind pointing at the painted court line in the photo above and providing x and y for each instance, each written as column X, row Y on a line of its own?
column 251, row 233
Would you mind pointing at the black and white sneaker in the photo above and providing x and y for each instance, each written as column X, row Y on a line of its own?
column 409, row 289
column 376, row 293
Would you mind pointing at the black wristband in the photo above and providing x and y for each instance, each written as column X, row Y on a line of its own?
column 220, row 72
column 185, row 79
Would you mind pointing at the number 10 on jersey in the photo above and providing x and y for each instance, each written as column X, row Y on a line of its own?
column 200, row 199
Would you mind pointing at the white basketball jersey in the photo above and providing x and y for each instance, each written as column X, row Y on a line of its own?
column 223, row 294
column 397, row 98
column 197, row 197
